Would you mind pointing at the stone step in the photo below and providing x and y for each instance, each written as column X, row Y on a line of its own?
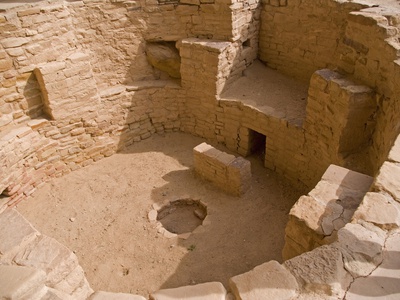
column 17, row 282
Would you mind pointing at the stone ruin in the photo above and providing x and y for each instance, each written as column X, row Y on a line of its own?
column 80, row 80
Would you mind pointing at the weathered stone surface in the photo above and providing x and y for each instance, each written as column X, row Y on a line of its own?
column 49, row 255
column 165, row 57
column 388, row 179
column 394, row 154
column 315, row 219
column 347, row 178
column 100, row 295
column 380, row 210
column 321, row 271
column 270, row 280
column 383, row 282
column 361, row 248
column 15, row 234
column 13, row 42
column 204, row 291
column 18, row 282
column 230, row 173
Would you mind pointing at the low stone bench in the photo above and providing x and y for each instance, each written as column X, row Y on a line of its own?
column 231, row 174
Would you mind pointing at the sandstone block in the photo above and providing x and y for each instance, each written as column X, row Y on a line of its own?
column 15, row 233
column 361, row 248
column 14, row 42
column 18, row 282
column 165, row 57
column 347, row 178
column 388, row 179
column 267, row 281
column 382, row 283
column 49, row 255
column 394, row 153
column 100, row 295
column 204, row 291
column 380, row 210
column 78, row 57
column 321, row 271
column 5, row 64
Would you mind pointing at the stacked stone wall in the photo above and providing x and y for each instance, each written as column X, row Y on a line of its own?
column 300, row 37
column 370, row 52
column 357, row 39
column 102, row 44
column 231, row 174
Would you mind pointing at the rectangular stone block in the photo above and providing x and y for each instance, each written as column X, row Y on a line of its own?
column 269, row 281
column 224, row 170
column 15, row 234
column 204, row 291
column 18, row 282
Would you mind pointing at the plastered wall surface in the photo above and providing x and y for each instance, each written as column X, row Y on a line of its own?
column 76, row 86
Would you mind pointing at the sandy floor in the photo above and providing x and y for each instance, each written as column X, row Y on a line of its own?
column 100, row 212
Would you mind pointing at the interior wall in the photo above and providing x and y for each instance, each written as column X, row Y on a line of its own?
column 301, row 36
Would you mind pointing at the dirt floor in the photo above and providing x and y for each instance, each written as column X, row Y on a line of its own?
column 101, row 213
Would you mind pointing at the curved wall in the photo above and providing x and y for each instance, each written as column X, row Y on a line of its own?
column 99, row 94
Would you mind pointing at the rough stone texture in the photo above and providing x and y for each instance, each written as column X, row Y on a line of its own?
column 47, row 268
column 321, row 271
column 102, row 44
column 361, row 248
column 267, row 281
column 100, row 295
column 315, row 219
column 165, row 57
column 380, row 210
column 387, row 180
column 383, row 282
column 204, row 291
column 15, row 234
column 20, row 282
column 49, row 255
column 230, row 173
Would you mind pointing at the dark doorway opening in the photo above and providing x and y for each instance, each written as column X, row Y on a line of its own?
column 257, row 144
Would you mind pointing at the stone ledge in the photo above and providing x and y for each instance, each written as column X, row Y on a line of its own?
column 204, row 291
column 100, row 295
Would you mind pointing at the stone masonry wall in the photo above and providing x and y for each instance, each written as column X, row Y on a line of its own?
column 354, row 38
column 80, row 69
column 41, row 138
column 230, row 173
column 315, row 219
column 300, row 37
column 370, row 52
